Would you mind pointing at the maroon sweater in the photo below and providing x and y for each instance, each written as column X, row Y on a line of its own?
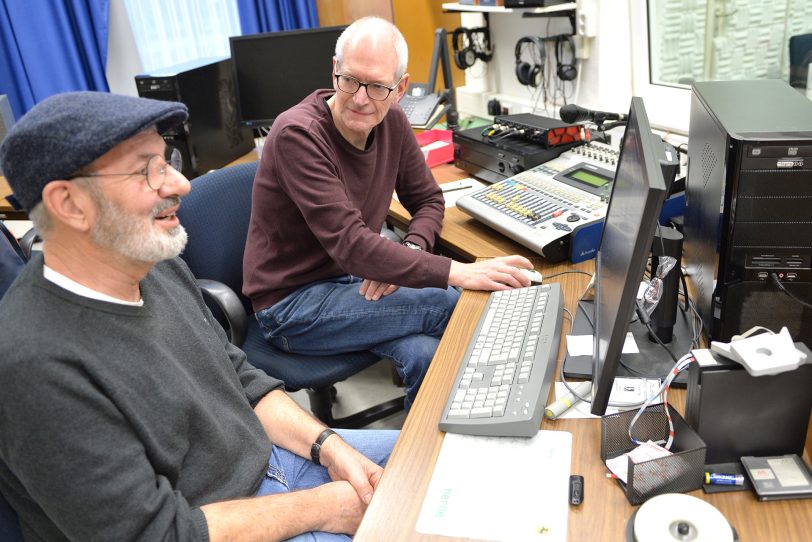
column 319, row 205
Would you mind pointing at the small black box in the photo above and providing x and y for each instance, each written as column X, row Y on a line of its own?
column 738, row 414
column 528, row 3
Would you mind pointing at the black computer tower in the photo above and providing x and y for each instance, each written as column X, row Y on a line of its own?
column 749, row 207
column 212, row 136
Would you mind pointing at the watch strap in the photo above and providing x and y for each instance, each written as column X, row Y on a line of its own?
column 315, row 448
column 411, row 245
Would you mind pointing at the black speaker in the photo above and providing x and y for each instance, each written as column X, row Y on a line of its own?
column 530, row 73
column 565, row 70
column 667, row 242
column 211, row 137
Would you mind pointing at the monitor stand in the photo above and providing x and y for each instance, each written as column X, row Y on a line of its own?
column 652, row 361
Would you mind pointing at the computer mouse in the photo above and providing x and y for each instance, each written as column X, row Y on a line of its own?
column 532, row 274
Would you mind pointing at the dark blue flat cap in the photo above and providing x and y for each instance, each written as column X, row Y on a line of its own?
column 66, row 132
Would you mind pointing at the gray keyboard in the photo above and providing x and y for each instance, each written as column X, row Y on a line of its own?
column 504, row 379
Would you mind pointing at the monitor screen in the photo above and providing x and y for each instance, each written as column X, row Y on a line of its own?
column 637, row 195
column 274, row 71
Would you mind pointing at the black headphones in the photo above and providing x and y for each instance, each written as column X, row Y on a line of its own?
column 531, row 73
column 467, row 48
column 566, row 71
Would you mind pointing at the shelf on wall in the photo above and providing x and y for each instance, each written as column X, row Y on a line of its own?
column 456, row 6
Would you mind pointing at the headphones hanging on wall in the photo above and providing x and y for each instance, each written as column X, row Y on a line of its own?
column 530, row 73
column 566, row 71
column 468, row 47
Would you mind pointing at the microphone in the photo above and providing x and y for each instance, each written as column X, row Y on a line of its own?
column 572, row 113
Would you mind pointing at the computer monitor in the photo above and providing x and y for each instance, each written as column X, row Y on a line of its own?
column 638, row 193
column 274, row 71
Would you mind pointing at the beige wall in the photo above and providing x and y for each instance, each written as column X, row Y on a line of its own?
column 340, row 12
column 417, row 19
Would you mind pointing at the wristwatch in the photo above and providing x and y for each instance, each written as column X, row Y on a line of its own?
column 315, row 448
column 411, row 245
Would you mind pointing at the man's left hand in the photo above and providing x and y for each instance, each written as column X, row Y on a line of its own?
column 343, row 462
column 373, row 290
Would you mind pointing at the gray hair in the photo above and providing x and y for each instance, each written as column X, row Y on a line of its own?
column 374, row 26
column 39, row 214
column 41, row 218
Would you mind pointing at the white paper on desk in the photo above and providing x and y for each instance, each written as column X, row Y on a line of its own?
column 500, row 488
column 455, row 190
column 581, row 345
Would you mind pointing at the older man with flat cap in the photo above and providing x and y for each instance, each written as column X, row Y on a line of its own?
column 125, row 413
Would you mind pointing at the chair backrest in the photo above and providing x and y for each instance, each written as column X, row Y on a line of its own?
column 12, row 259
column 216, row 214
column 9, row 525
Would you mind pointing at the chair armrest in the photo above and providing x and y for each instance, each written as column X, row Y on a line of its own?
column 232, row 308
column 27, row 241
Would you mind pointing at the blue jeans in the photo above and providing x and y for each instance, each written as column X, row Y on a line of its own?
column 331, row 317
column 288, row 472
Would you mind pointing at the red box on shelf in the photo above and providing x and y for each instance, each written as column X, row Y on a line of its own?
column 437, row 146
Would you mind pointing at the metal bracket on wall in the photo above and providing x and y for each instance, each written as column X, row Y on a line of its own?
column 568, row 13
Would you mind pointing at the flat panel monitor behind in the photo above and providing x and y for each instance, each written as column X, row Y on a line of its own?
column 274, row 71
column 637, row 196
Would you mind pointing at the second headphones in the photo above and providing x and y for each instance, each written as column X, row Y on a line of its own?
column 530, row 73
column 468, row 47
column 565, row 70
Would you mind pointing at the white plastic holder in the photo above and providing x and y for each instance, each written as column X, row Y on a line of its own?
column 763, row 354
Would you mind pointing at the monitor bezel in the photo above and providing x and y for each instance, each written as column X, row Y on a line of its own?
column 605, row 362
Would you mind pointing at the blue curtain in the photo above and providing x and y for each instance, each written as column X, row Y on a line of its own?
column 275, row 15
column 47, row 47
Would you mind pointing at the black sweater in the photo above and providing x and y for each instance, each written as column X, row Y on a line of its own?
column 119, row 422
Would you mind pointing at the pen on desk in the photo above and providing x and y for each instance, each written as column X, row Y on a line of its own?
column 612, row 476
column 716, row 478
column 447, row 190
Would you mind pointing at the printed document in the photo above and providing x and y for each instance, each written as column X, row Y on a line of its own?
column 500, row 488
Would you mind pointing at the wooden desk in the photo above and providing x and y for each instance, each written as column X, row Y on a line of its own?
column 603, row 516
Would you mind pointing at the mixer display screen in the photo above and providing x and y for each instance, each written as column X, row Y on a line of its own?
column 589, row 177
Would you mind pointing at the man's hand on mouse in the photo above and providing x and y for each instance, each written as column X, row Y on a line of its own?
column 501, row 273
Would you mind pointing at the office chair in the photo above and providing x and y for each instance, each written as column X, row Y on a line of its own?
column 12, row 261
column 216, row 214
column 12, row 258
column 9, row 524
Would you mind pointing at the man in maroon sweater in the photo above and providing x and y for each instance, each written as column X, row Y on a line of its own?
column 320, row 277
